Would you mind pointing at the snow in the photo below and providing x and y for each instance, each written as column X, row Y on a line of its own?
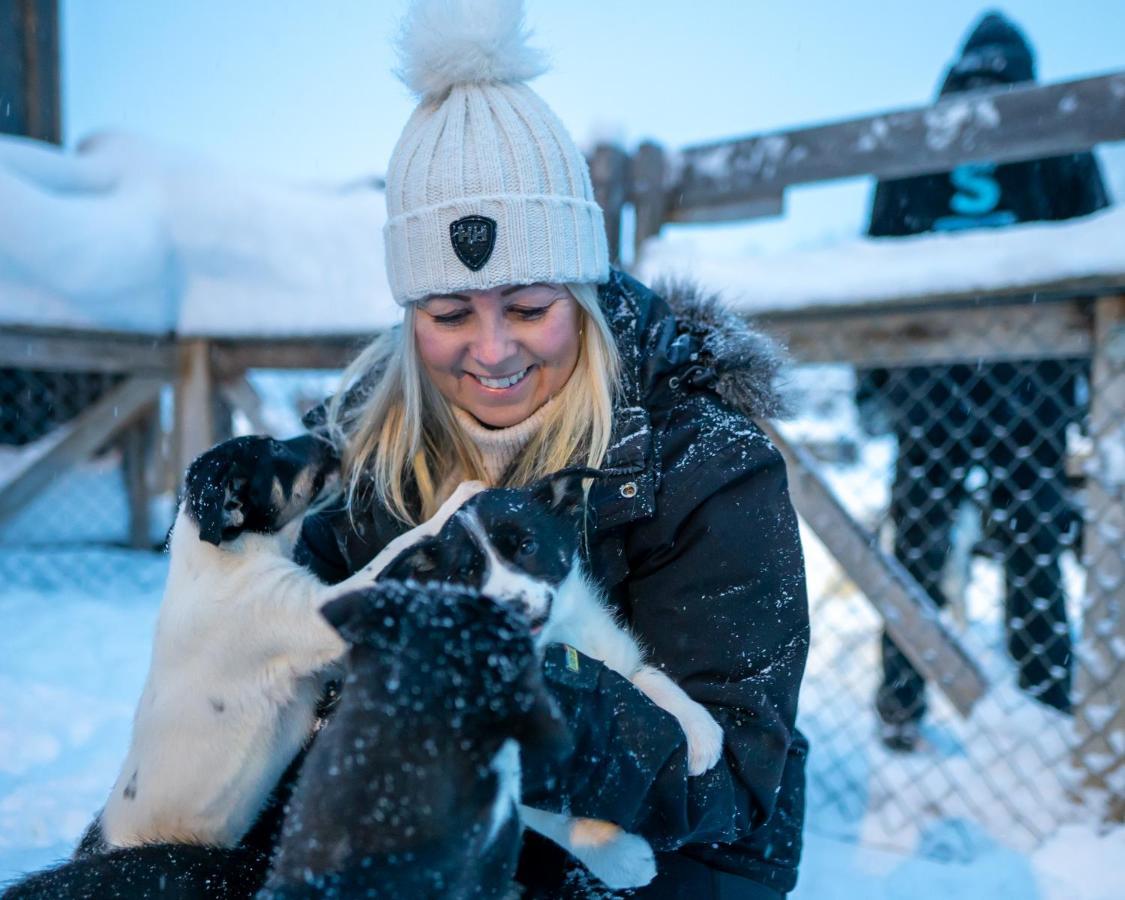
column 126, row 235
column 72, row 669
column 1077, row 864
column 1020, row 257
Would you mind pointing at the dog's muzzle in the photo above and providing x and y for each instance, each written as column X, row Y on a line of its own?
column 533, row 610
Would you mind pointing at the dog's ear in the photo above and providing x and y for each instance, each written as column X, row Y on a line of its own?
column 368, row 616
column 207, row 509
column 346, row 615
column 339, row 613
column 422, row 562
column 562, row 491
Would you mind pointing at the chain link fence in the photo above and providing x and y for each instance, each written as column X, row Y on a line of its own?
column 79, row 532
column 976, row 476
column 73, row 532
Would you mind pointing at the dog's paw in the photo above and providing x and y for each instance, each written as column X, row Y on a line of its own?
column 616, row 858
column 704, row 742
column 254, row 484
column 215, row 488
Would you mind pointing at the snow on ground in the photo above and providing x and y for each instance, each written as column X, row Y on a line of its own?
column 71, row 666
column 72, row 663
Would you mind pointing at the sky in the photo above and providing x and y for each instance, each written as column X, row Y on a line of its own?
column 306, row 91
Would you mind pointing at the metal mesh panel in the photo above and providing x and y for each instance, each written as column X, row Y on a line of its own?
column 976, row 476
column 74, row 533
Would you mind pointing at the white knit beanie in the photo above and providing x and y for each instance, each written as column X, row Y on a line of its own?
column 485, row 187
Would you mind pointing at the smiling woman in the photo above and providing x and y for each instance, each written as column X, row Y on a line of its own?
column 499, row 354
column 521, row 352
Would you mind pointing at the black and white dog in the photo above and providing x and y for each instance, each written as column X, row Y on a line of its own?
column 522, row 546
column 153, row 872
column 240, row 654
column 411, row 789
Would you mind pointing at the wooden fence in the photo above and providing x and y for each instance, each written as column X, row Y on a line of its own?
column 720, row 181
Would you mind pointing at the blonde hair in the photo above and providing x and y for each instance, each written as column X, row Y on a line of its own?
column 405, row 432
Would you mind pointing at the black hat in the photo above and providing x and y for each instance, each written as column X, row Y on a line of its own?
column 995, row 51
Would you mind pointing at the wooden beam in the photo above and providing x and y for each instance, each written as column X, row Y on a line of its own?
column 1100, row 698
column 137, row 444
column 230, row 358
column 647, row 191
column 997, row 125
column 76, row 351
column 194, row 417
column 910, row 615
column 79, row 438
column 29, row 69
column 953, row 332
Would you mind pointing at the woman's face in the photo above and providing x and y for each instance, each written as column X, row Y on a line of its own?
column 499, row 354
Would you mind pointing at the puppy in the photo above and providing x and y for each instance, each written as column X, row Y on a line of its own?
column 522, row 547
column 240, row 655
column 411, row 789
column 154, row 872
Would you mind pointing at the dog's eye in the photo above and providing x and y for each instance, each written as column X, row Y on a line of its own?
column 528, row 547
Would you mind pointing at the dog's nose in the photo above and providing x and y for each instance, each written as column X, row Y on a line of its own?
column 534, row 609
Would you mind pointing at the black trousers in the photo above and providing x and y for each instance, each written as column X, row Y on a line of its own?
column 1010, row 420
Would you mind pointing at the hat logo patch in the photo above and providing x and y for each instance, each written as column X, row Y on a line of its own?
column 473, row 238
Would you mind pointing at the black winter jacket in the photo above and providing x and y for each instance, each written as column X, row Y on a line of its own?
column 695, row 541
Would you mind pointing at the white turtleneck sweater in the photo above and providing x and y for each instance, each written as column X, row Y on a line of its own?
column 499, row 446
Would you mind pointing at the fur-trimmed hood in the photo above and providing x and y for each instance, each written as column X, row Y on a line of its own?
column 688, row 335
column 747, row 364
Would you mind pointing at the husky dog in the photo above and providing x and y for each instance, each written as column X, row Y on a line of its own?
column 411, row 789
column 152, row 872
column 522, row 546
column 240, row 655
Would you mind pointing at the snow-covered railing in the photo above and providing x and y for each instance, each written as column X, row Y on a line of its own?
column 746, row 177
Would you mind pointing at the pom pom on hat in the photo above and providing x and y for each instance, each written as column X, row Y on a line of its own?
column 484, row 187
column 448, row 42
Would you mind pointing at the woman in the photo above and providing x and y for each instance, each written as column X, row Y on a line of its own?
column 521, row 352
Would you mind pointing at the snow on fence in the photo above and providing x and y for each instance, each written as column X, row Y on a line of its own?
column 1022, row 539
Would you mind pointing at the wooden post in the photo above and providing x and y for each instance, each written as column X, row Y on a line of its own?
column 194, row 424
column 647, row 193
column 29, row 69
column 1100, row 699
column 608, row 172
column 240, row 396
column 136, row 448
